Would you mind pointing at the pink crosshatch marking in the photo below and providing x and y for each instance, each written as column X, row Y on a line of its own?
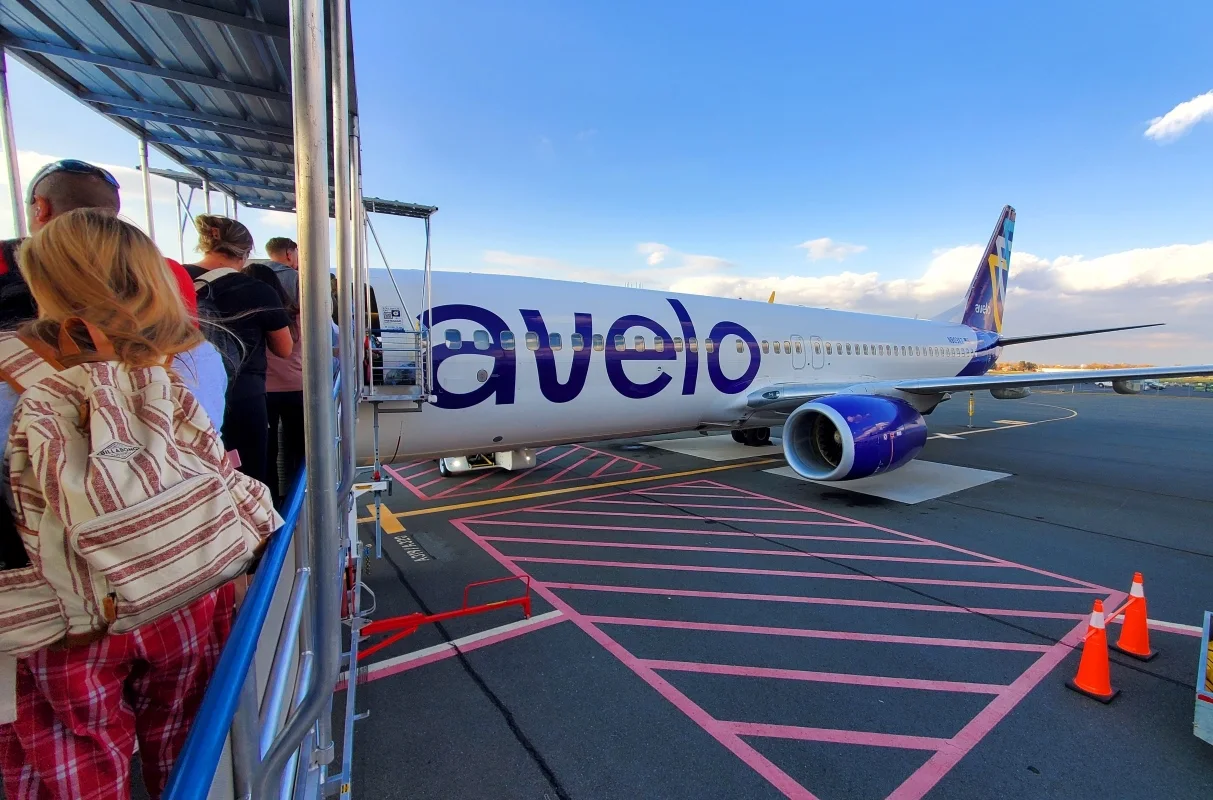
column 1000, row 583
column 555, row 465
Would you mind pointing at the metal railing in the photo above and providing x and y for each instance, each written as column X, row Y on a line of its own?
column 195, row 767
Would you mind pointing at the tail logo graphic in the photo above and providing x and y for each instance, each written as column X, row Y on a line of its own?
column 984, row 303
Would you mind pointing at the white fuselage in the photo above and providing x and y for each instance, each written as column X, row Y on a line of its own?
column 548, row 386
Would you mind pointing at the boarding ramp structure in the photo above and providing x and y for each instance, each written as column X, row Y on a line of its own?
column 253, row 99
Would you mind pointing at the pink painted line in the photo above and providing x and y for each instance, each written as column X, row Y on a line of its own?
column 925, row 777
column 690, row 548
column 954, row 548
column 430, row 483
column 373, row 674
column 688, row 494
column 824, row 601
column 567, row 470
column 405, row 482
column 606, row 466
column 810, row 633
column 826, row 677
column 713, row 727
column 1028, row 587
column 834, row 736
column 687, row 505
column 462, row 485
column 632, row 529
column 687, row 517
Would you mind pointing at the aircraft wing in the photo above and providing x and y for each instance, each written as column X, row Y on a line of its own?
column 786, row 397
column 968, row 383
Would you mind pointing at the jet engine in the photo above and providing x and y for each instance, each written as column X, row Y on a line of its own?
column 1010, row 392
column 848, row 436
column 1122, row 386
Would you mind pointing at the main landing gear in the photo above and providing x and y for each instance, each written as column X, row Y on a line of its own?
column 753, row 437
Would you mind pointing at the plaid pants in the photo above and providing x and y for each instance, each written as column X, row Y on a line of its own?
column 81, row 709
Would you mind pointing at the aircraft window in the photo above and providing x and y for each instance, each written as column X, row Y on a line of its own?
column 838, row 347
column 800, row 347
column 453, row 339
column 599, row 342
column 787, row 346
column 917, row 351
column 619, row 343
column 577, row 341
column 677, row 344
column 766, row 346
column 848, row 348
column 709, row 345
column 659, row 344
column 740, row 346
column 693, row 344
column 554, row 341
column 532, row 340
column 481, row 340
column 865, row 349
column 880, row 349
column 829, row 349
column 507, row 340
column 779, row 347
column 639, row 344
column 903, row 350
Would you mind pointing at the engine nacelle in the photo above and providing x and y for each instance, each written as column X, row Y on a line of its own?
column 1124, row 386
column 1010, row 392
column 848, row 436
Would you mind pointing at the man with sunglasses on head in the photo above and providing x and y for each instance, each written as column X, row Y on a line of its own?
column 57, row 188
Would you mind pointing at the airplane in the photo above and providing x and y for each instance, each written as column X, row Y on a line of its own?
column 520, row 363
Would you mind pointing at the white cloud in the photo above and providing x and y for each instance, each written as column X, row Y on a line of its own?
column 1179, row 120
column 827, row 248
column 656, row 252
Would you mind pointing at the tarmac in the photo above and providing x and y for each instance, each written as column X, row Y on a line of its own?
column 706, row 627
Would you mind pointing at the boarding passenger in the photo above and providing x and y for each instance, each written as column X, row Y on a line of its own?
column 97, row 673
column 57, row 188
column 251, row 313
column 283, row 393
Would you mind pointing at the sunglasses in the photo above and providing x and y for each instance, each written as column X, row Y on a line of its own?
column 73, row 166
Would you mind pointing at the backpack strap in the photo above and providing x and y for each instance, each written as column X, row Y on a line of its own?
column 24, row 362
column 69, row 351
column 212, row 275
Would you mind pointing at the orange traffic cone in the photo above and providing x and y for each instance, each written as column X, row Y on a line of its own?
column 1093, row 678
column 1135, row 632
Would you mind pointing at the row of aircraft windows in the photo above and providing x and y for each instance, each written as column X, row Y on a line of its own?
column 481, row 341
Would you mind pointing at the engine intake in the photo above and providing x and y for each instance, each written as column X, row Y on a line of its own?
column 1124, row 386
column 848, row 436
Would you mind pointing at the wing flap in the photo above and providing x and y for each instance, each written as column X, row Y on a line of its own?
column 974, row 382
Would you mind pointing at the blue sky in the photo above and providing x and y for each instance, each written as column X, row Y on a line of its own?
column 580, row 139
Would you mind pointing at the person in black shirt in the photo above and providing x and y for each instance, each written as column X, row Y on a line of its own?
column 251, row 313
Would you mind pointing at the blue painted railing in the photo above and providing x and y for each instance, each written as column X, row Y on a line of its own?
column 199, row 758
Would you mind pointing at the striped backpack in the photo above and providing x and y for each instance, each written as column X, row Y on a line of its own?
column 122, row 493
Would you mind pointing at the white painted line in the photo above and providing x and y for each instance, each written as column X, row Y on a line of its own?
column 946, row 436
column 1009, row 422
column 454, row 644
column 1178, row 626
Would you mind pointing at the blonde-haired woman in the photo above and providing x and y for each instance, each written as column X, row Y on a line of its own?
column 252, row 313
column 82, row 705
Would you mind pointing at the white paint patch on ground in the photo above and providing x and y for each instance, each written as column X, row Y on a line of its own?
column 716, row 448
column 916, row 482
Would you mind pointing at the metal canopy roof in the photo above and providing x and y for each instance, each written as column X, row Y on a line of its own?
column 206, row 81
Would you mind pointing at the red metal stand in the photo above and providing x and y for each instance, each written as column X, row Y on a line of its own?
column 401, row 627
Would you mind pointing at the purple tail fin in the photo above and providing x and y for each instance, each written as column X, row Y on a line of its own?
column 988, row 291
